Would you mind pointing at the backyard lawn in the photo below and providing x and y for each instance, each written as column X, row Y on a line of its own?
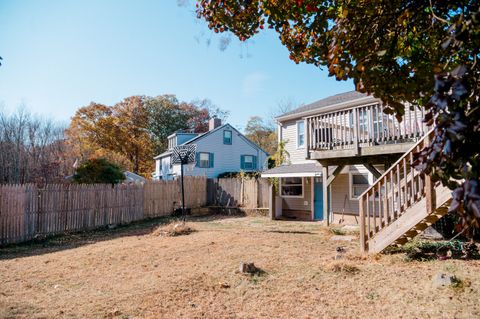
column 129, row 272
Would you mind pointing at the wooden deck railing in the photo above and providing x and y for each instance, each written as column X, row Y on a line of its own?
column 399, row 188
column 362, row 126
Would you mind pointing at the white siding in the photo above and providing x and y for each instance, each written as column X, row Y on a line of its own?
column 289, row 136
column 166, row 172
column 227, row 157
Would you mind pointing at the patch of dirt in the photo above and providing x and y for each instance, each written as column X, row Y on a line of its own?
column 129, row 273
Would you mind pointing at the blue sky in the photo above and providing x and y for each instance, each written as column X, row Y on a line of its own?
column 61, row 55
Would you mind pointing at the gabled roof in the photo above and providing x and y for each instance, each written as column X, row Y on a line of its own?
column 201, row 136
column 222, row 127
column 343, row 99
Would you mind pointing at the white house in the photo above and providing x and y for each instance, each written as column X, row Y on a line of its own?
column 338, row 146
column 220, row 150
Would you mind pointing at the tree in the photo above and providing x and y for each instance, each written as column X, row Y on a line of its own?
column 261, row 134
column 132, row 131
column 167, row 115
column 98, row 171
column 93, row 134
column 390, row 49
column 32, row 149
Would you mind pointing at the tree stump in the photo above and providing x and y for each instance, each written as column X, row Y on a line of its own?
column 248, row 268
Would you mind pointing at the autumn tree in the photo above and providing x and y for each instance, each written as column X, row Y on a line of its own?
column 133, row 131
column 422, row 53
column 261, row 134
column 166, row 114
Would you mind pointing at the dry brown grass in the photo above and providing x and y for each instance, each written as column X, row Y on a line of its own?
column 128, row 273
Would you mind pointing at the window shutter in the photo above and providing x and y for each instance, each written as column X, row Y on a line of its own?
column 197, row 159
column 242, row 162
column 254, row 162
column 211, row 159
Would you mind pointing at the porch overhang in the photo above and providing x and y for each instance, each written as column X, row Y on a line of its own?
column 387, row 153
column 294, row 170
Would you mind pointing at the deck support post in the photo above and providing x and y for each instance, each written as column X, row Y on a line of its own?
column 271, row 202
column 325, row 193
column 327, row 181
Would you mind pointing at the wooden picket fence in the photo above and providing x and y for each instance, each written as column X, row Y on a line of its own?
column 236, row 192
column 162, row 197
column 27, row 211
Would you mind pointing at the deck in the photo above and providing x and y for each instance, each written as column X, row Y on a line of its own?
column 363, row 134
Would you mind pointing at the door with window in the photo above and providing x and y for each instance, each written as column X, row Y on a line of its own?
column 318, row 199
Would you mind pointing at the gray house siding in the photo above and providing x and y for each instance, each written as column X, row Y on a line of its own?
column 340, row 196
column 289, row 136
column 300, row 203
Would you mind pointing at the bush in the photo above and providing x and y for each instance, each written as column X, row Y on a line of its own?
column 98, row 171
column 240, row 174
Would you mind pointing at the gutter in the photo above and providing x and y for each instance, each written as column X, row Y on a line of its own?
column 329, row 108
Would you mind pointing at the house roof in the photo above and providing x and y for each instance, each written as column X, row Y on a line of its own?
column 294, row 170
column 200, row 136
column 166, row 153
column 130, row 176
column 219, row 128
column 343, row 99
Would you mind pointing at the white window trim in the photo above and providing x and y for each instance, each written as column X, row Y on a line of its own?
column 350, row 182
column 231, row 137
column 200, row 160
column 299, row 147
column 292, row 196
column 245, row 162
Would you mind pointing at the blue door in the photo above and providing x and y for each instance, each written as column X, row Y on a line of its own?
column 318, row 201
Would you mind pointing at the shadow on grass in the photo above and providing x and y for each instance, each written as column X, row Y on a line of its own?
column 291, row 232
column 71, row 240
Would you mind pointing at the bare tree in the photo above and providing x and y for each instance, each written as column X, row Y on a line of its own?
column 32, row 149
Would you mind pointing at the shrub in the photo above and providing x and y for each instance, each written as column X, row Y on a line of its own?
column 98, row 171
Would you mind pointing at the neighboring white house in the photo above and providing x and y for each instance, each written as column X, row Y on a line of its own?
column 220, row 150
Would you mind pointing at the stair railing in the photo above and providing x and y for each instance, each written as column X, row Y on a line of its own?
column 393, row 193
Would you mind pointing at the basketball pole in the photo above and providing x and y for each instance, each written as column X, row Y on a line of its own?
column 184, row 214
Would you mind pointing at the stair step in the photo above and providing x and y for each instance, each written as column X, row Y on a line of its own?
column 413, row 220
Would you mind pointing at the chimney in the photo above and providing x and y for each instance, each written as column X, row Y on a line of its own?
column 213, row 123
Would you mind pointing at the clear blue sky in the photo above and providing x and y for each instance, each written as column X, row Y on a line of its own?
column 59, row 55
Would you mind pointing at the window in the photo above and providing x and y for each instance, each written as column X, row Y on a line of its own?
column 248, row 162
column 291, row 186
column 205, row 160
column 358, row 184
column 300, row 134
column 227, row 137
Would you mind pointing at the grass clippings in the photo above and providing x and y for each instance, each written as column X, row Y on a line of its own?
column 338, row 231
column 343, row 267
column 173, row 229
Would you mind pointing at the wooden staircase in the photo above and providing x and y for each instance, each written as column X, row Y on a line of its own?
column 400, row 204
